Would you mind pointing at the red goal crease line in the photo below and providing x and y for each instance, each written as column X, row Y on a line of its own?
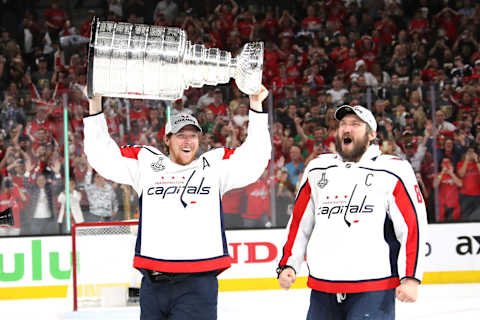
column 250, row 284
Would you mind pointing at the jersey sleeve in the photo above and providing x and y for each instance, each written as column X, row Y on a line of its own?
column 299, row 227
column 245, row 164
column 407, row 211
column 106, row 157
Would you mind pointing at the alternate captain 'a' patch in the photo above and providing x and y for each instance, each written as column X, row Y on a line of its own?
column 205, row 163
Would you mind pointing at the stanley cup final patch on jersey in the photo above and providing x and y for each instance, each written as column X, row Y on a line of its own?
column 323, row 181
column 158, row 165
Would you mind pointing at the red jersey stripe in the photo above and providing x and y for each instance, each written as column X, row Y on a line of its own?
column 298, row 211
column 404, row 204
column 352, row 286
column 130, row 152
column 220, row 263
column 228, row 153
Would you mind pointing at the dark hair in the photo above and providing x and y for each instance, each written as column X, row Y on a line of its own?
column 8, row 183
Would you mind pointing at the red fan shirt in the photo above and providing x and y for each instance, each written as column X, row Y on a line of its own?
column 258, row 200
column 471, row 179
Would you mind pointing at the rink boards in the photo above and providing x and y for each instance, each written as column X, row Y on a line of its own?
column 40, row 267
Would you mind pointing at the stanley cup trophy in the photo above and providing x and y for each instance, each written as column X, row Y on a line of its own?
column 150, row 62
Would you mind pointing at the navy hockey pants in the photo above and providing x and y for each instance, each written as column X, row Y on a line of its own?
column 373, row 305
column 193, row 297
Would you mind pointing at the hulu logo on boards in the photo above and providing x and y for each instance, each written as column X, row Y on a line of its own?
column 37, row 267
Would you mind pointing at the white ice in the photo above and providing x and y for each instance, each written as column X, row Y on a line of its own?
column 436, row 302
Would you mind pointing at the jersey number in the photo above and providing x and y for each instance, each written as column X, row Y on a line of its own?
column 419, row 194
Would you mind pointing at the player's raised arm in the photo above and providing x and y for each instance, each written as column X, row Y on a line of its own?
column 103, row 153
column 245, row 164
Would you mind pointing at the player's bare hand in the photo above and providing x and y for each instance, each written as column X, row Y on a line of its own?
column 95, row 104
column 407, row 291
column 286, row 278
column 257, row 99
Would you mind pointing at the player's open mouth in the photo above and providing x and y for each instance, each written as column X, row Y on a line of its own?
column 347, row 140
column 186, row 150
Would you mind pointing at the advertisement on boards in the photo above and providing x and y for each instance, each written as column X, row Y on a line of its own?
column 43, row 264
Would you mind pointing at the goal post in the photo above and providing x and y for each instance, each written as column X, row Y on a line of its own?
column 103, row 269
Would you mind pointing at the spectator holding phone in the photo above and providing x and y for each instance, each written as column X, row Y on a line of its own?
column 448, row 183
column 469, row 171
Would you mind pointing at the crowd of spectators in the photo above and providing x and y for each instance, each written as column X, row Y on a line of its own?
column 415, row 64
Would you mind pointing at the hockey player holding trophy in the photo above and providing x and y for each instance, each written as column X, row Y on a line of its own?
column 181, row 245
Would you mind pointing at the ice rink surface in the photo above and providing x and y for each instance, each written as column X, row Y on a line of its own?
column 436, row 302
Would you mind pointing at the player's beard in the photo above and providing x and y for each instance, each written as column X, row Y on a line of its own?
column 360, row 145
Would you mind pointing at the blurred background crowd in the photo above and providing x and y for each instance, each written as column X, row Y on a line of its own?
column 415, row 64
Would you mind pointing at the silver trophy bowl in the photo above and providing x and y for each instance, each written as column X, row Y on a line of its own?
column 150, row 62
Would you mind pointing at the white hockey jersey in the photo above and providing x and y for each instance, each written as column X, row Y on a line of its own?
column 360, row 225
column 181, row 221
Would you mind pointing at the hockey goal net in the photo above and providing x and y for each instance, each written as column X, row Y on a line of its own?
column 104, row 273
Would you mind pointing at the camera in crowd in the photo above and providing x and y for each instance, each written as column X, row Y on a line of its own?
column 8, row 183
column 6, row 217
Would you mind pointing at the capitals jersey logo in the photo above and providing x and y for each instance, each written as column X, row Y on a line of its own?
column 345, row 205
column 181, row 190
